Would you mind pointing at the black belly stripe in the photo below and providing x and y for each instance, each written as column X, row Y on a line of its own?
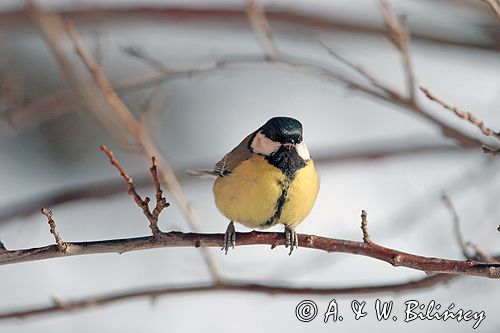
column 279, row 204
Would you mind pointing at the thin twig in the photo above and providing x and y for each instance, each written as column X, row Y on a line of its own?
column 58, row 306
column 52, row 28
column 312, row 67
column 274, row 239
column 464, row 245
column 399, row 35
column 495, row 7
column 61, row 245
column 261, row 27
column 372, row 79
column 462, row 114
column 490, row 150
column 161, row 202
column 364, row 227
column 101, row 80
column 365, row 152
column 142, row 136
column 456, row 222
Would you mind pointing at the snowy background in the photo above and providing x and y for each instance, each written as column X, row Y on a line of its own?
column 195, row 120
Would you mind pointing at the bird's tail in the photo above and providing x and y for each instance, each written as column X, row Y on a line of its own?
column 203, row 173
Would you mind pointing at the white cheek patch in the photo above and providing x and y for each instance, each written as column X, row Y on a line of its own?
column 261, row 144
column 302, row 151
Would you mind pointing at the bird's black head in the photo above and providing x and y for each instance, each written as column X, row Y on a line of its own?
column 283, row 130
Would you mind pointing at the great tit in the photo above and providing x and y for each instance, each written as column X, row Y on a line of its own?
column 268, row 179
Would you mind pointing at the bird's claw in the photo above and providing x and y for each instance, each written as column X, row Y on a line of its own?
column 229, row 237
column 291, row 239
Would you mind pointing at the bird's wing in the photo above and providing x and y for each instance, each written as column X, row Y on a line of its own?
column 239, row 154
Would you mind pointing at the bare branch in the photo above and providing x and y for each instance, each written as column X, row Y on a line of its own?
column 464, row 245
column 364, row 227
column 161, row 202
column 61, row 245
column 179, row 239
column 388, row 95
column 462, row 114
column 456, row 222
column 399, row 35
column 372, row 79
column 102, row 81
column 261, row 27
column 234, row 286
column 145, row 141
column 495, row 7
column 371, row 151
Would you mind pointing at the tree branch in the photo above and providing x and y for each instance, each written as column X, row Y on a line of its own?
column 399, row 35
column 58, row 306
column 110, row 110
column 464, row 245
column 161, row 202
column 61, row 245
column 388, row 95
column 495, row 7
column 364, row 152
column 274, row 239
column 261, row 27
column 471, row 118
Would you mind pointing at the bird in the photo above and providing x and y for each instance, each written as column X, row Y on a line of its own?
column 268, row 179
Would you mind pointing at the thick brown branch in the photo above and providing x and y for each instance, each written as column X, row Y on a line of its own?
column 234, row 286
column 179, row 239
column 61, row 245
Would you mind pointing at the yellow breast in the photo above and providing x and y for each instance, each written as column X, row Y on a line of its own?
column 255, row 189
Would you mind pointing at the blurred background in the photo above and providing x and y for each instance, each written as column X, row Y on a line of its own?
column 195, row 74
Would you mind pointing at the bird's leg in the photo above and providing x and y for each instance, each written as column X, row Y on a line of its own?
column 229, row 237
column 291, row 238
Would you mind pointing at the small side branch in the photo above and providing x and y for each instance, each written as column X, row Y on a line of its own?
column 462, row 114
column 399, row 35
column 495, row 7
column 364, row 227
column 161, row 202
column 477, row 253
column 4, row 249
column 261, row 27
column 61, row 245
